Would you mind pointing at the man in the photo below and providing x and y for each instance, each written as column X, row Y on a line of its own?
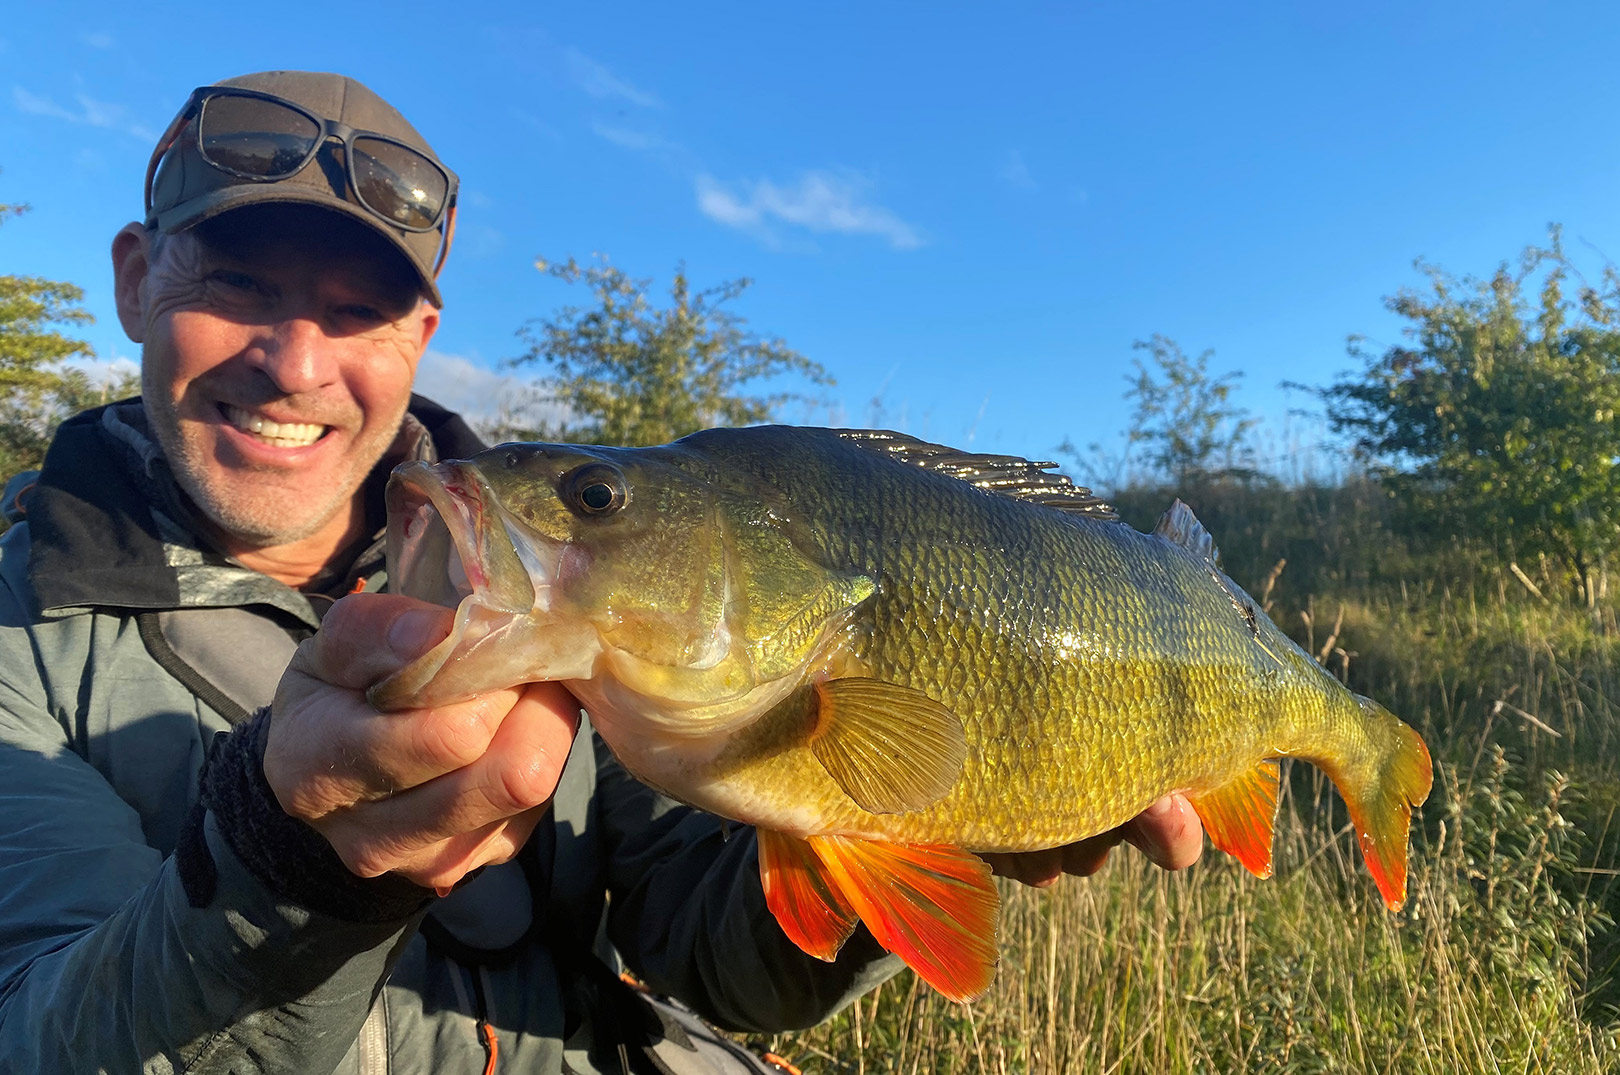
column 325, row 887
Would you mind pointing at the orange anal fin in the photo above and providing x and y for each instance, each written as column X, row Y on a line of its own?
column 932, row 905
column 1240, row 815
column 800, row 894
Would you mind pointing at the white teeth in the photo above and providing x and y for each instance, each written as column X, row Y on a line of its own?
column 280, row 434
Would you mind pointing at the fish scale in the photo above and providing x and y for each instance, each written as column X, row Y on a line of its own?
column 973, row 623
column 886, row 655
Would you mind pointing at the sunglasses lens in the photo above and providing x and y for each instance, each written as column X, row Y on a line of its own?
column 398, row 183
column 255, row 137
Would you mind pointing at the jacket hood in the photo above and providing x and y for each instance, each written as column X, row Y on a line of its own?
column 110, row 528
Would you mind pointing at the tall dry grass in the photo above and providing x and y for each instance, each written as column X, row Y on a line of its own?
column 1503, row 959
column 1214, row 971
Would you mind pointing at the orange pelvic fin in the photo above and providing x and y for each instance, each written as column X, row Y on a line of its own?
column 1381, row 793
column 1239, row 816
column 932, row 905
column 797, row 889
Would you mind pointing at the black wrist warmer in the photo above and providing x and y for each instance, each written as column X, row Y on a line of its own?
column 289, row 857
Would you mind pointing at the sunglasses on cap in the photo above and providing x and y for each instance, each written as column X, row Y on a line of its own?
column 262, row 138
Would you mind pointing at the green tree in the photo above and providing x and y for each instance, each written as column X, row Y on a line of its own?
column 626, row 371
column 29, row 415
column 1184, row 417
column 32, row 312
column 36, row 390
column 1498, row 419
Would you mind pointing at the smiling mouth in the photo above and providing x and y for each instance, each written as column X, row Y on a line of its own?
column 275, row 434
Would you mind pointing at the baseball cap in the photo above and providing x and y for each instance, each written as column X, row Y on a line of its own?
column 189, row 188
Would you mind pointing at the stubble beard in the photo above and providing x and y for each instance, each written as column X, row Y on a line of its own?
column 262, row 517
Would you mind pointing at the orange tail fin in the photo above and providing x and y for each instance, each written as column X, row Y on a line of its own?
column 1381, row 792
column 934, row 906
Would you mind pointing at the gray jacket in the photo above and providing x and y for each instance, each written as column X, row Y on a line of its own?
column 154, row 919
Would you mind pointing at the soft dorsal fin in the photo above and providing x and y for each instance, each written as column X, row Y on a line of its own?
column 1181, row 527
column 1008, row 475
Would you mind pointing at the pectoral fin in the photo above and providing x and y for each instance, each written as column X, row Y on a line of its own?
column 892, row 749
column 933, row 906
column 799, row 893
column 1240, row 816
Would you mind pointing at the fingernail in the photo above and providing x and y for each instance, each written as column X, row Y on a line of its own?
column 415, row 632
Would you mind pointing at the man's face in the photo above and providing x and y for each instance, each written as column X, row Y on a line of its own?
column 276, row 365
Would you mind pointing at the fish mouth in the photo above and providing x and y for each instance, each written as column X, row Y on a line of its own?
column 447, row 547
column 450, row 544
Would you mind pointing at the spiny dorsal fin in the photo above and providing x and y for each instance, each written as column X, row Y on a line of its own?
column 1005, row 474
column 1180, row 526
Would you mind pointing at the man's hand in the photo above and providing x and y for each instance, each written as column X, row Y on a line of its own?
column 1168, row 832
column 431, row 794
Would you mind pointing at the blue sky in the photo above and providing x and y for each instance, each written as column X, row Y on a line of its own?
column 966, row 211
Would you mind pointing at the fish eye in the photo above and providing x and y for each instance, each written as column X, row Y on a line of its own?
column 595, row 489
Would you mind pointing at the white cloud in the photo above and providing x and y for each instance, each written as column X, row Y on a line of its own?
column 535, row 123
column 596, row 80
column 720, row 204
column 1014, row 172
column 670, row 155
column 625, row 138
column 34, row 105
column 819, row 202
column 482, row 396
column 479, row 240
column 91, row 112
column 98, row 41
column 462, row 386
column 106, row 372
column 99, row 113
